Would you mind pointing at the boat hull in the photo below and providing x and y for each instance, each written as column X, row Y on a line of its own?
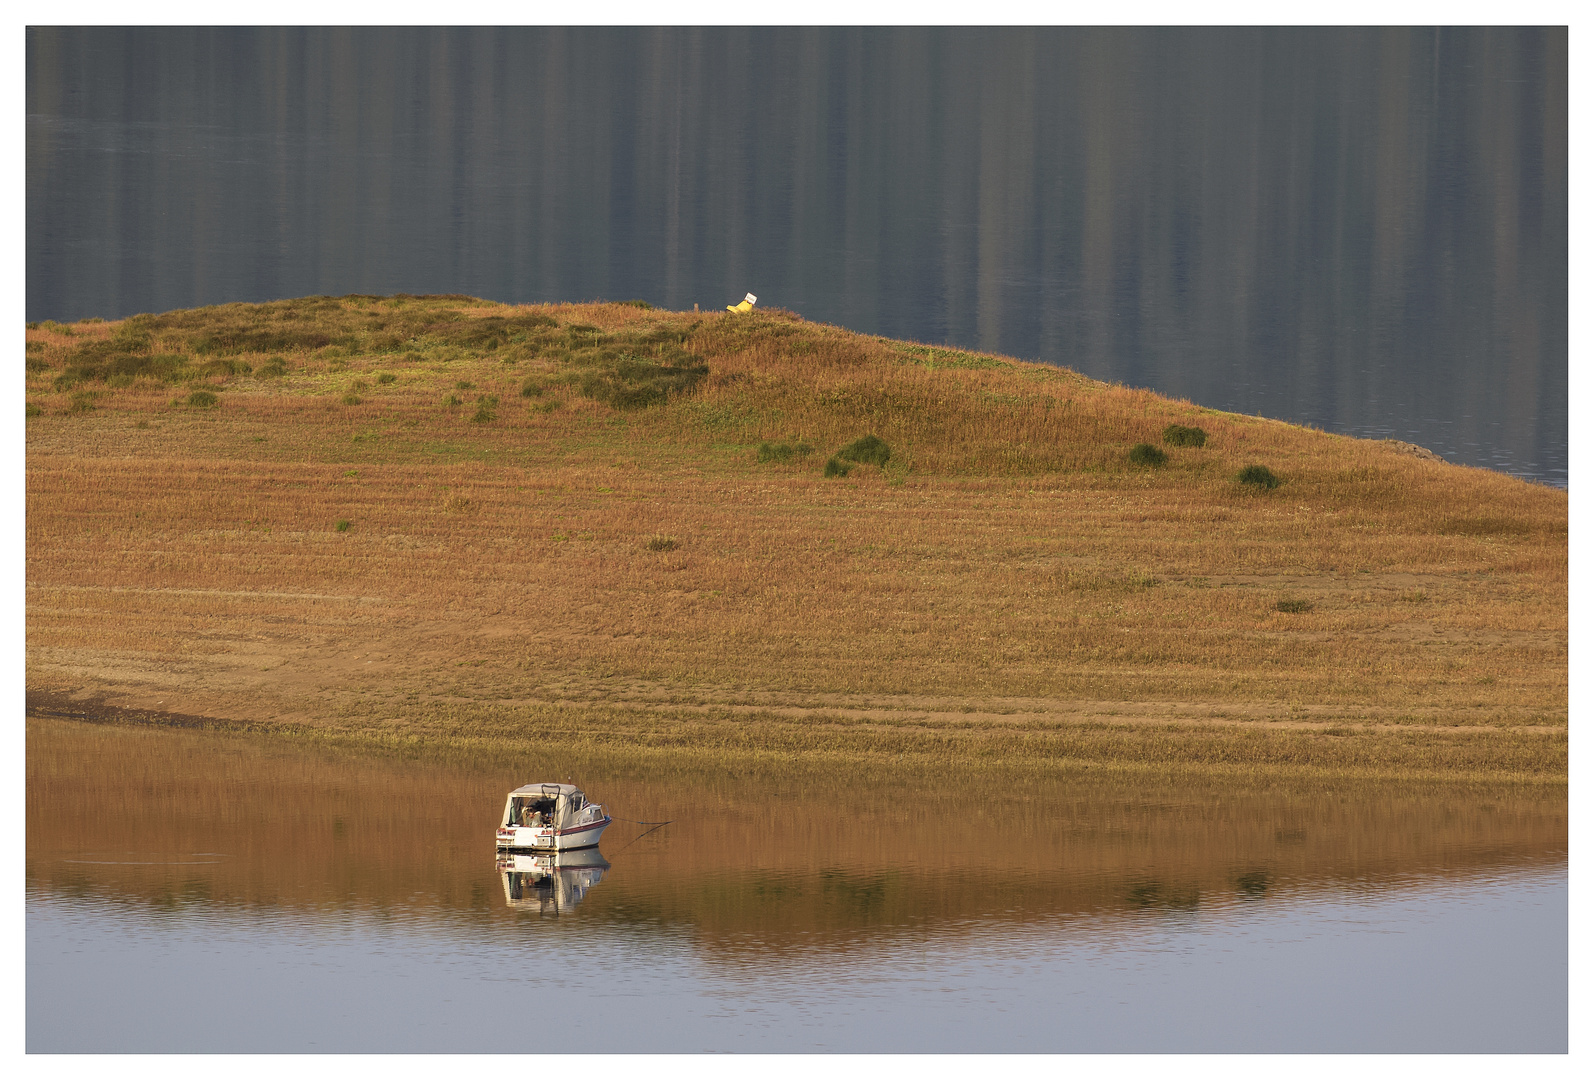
column 535, row 838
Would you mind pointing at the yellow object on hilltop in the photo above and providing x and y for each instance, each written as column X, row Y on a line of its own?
column 746, row 305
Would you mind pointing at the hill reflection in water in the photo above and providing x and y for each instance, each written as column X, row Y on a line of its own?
column 269, row 896
column 773, row 860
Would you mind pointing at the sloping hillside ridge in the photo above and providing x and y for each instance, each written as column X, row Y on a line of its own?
column 424, row 518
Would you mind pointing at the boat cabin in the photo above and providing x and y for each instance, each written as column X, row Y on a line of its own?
column 557, row 806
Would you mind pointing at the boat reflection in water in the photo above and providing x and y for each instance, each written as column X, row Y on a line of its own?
column 552, row 883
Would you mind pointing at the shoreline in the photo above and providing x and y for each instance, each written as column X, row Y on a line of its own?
column 712, row 750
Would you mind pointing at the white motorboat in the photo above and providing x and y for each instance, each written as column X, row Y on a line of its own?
column 550, row 883
column 550, row 817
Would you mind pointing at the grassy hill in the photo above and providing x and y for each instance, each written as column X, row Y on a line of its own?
column 441, row 519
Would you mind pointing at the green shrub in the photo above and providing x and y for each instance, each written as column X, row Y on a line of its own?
column 34, row 410
column 351, row 399
column 768, row 451
column 836, row 467
column 661, row 543
column 386, row 378
column 99, row 361
column 1258, row 476
column 224, row 368
column 1294, row 607
column 1146, row 454
column 869, row 450
column 343, row 525
column 1179, row 435
column 201, row 399
column 633, row 382
column 464, row 385
column 276, row 367
column 486, row 409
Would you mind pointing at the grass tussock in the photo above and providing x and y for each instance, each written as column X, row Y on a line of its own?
column 1184, row 435
column 1258, row 476
column 782, row 453
column 1005, row 548
column 1146, row 454
column 486, row 409
column 868, row 450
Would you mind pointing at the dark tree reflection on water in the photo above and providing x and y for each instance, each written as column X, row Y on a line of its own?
column 1365, row 229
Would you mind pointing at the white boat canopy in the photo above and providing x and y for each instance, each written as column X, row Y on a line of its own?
column 547, row 791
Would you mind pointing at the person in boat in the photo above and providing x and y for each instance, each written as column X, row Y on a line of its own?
column 532, row 814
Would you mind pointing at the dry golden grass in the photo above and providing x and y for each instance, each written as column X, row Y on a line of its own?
column 1007, row 579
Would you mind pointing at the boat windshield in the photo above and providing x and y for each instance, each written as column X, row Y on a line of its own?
column 532, row 811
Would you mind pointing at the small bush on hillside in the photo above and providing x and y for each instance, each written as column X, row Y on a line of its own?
column 780, row 452
column 386, row 378
column 224, row 368
column 464, row 385
column 486, row 409
column 869, row 450
column 1179, row 435
column 450, row 400
column 836, row 467
column 635, row 383
column 532, row 388
column 123, row 354
column 34, row 410
column 1258, row 476
column 343, row 525
column 1146, row 454
column 1294, row 607
column 200, row 399
column 351, row 399
column 661, row 543
column 274, row 368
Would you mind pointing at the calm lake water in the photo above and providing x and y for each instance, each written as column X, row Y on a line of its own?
column 1363, row 229
column 192, row 892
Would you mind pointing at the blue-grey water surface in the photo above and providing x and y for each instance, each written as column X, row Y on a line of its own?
column 199, row 892
column 1362, row 229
